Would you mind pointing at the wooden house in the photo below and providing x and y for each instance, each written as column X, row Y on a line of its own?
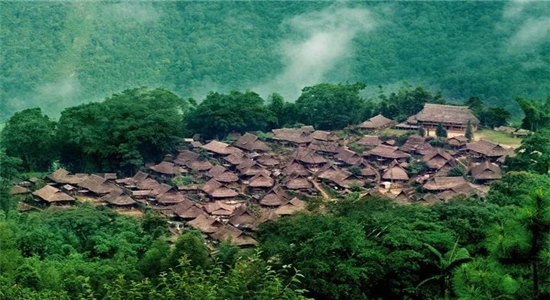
column 453, row 118
column 250, row 142
column 485, row 172
column 53, row 196
column 376, row 123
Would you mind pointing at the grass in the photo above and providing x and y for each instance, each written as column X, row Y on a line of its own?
column 497, row 137
column 390, row 132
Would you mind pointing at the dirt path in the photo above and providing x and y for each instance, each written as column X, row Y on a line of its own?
column 321, row 190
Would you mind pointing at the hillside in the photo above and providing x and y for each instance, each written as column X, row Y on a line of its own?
column 58, row 54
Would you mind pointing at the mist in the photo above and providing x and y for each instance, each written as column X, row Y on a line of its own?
column 324, row 40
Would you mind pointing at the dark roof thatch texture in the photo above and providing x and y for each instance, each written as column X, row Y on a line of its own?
column 51, row 194
column 486, row 171
column 446, row 114
column 250, row 142
column 375, row 122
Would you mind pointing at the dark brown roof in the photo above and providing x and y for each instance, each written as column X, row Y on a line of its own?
column 395, row 172
column 443, row 183
column 185, row 156
column 416, row 144
column 298, row 136
column 205, row 224
column 457, row 140
column 291, row 207
column 436, row 158
column 118, row 198
column 369, row 140
column 261, row 180
column 216, row 147
column 268, row 161
column 375, row 122
column 335, row 175
column 235, row 158
column 243, row 217
column 210, row 186
column 275, row 197
column 297, row 183
column 216, row 170
column 295, row 168
column 199, row 165
column 51, row 194
column 95, row 184
column 486, row 171
column 487, row 148
column 220, row 208
column 147, row 184
column 388, row 152
column 309, row 157
column 224, row 192
column 234, row 235
column 168, row 168
column 323, row 146
column 347, row 156
column 17, row 190
column 190, row 213
column 160, row 189
column 324, row 136
column 227, row 177
column 170, row 197
column 438, row 113
column 250, row 142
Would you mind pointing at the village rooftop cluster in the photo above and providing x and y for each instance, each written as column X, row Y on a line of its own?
column 226, row 190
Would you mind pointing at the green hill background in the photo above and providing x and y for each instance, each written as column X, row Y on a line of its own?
column 58, row 54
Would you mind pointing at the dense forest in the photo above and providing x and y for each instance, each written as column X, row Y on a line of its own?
column 59, row 54
column 115, row 87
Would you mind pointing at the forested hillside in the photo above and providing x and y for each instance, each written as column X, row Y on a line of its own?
column 59, row 54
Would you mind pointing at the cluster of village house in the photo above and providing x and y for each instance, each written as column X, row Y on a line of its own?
column 232, row 188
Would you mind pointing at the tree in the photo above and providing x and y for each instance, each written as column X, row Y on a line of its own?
column 469, row 134
column 440, row 131
column 221, row 114
column 494, row 117
column 537, row 113
column 121, row 133
column 330, row 106
column 533, row 154
column 421, row 131
column 29, row 136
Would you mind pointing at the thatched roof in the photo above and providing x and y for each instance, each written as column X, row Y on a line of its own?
column 297, row 183
column 446, row 114
column 275, row 197
column 261, row 180
column 251, row 142
column 457, row 141
column 62, row 176
column 147, row 184
column 219, row 208
column 190, row 213
column 268, row 161
column 488, row 149
column 170, row 197
column 324, row 136
column 217, row 147
column 234, row 235
column 216, row 170
column 235, row 158
column 210, row 186
column 160, row 189
column 436, row 158
column 243, row 217
column 51, row 194
column 416, row 144
column 395, row 172
column 167, row 168
column 118, row 198
column 224, row 192
column 323, row 146
column 293, row 135
column 291, row 207
column 199, row 165
column 486, row 171
column 185, row 156
column 347, row 156
column 308, row 157
column 369, row 140
column 443, row 183
column 227, row 177
column 386, row 152
column 375, row 122
column 205, row 224
column 335, row 175
column 295, row 168
column 96, row 184
column 17, row 190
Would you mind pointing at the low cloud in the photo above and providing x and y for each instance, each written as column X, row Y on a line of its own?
column 325, row 40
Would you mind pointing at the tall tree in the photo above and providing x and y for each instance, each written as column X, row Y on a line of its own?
column 440, row 131
column 537, row 113
column 469, row 134
column 29, row 136
column 533, row 154
column 123, row 132
column 330, row 106
column 220, row 114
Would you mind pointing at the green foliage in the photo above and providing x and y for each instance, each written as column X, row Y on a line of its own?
column 221, row 114
column 406, row 102
column 28, row 136
column 121, row 133
column 469, row 134
column 356, row 171
column 330, row 106
column 440, row 131
column 416, row 167
column 533, row 154
column 537, row 113
column 182, row 180
column 458, row 170
column 421, row 131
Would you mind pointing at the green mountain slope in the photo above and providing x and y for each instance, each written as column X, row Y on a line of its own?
column 57, row 54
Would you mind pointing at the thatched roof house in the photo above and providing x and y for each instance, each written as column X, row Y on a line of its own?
column 205, row 224
column 329, row 147
column 306, row 156
column 416, row 144
column 347, row 156
column 291, row 207
column 376, row 123
column 457, row 141
column 395, row 172
column 51, row 194
column 227, row 177
column 443, row 183
column 369, row 140
column 292, row 135
column 250, row 142
column 297, row 182
column 450, row 116
column 485, row 171
column 295, row 168
column 243, row 217
column 385, row 152
column 220, row 148
column 63, row 176
column 118, row 198
column 261, row 180
column 275, row 197
column 324, row 136
column 167, row 168
column 436, row 158
column 488, row 150
column 170, row 197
